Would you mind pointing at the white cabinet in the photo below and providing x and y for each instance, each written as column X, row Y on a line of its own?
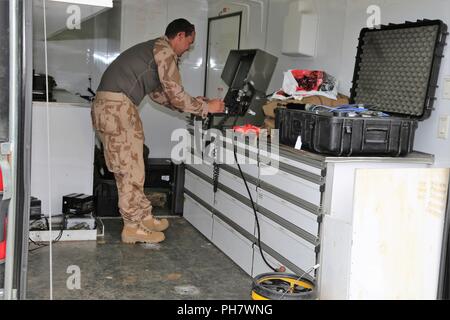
column 260, row 267
column 199, row 216
column 391, row 246
column 233, row 244
column 289, row 211
column 62, row 154
column 234, row 182
column 199, row 187
column 235, row 210
column 300, row 31
column 311, row 213
column 291, row 246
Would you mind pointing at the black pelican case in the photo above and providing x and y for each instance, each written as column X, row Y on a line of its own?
column 396, row 72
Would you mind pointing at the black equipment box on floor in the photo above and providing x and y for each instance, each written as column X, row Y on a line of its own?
column 35, row 208
column 395, row 77
column 159, row 173
column 106, row 198
column 40, row 89
column 78, row 203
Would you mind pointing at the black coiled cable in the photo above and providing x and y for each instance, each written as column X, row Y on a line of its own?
column 253, row 205
column 216, row 170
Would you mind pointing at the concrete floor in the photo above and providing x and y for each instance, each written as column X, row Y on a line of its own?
column 186, row 266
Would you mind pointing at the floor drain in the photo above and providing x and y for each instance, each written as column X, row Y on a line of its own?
column 187, row 290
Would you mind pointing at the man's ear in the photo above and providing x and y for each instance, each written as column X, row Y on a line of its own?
column 181, row 34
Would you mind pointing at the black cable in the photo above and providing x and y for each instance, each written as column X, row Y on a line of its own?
column 61, row 231
column 253, row 204
column 215, row 176
column 216, row 169
column 57, row 239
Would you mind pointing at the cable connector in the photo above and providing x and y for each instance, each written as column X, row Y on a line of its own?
column 281, row 269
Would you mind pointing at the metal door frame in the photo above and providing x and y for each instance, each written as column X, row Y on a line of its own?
column 18, row 148
column 207, row 40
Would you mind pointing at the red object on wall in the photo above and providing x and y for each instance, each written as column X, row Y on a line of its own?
column 2, row 224
column 1, row 181
column 3, row 243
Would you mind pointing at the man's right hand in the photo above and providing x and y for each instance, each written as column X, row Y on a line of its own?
column 216, row 106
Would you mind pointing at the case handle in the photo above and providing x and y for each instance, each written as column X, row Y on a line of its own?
column 380, row 140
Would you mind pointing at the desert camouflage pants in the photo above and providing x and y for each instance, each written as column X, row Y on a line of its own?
column 117, row 122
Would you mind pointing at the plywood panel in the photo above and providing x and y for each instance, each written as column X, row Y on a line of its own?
column 397, row 233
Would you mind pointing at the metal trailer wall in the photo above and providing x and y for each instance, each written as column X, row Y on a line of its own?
column 4, row 71
column 19, row 143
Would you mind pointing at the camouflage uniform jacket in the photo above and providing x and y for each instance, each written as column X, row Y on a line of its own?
column 151, row 68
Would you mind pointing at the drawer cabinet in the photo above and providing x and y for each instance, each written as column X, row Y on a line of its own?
column 288, row 204
column 233, row 244
column 234, row 181
column 300, row 186
column 259, row 266
column 235, row 210
column 199, row 216
column 198, row 186
column 289, row 245
column 289, row 211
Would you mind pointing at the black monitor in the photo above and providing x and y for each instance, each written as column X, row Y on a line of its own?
column 247, row 73
column 253, row 65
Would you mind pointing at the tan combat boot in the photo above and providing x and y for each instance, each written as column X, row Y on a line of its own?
column 133, row 233
column 152, row 224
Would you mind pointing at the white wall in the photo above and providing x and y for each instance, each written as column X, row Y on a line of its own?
column 254, row 19
column 398, row 11
column 71, row 62
column 330, row 33
column 329, row 39
column 340, row 22
column 147, row 19
column 71, row 153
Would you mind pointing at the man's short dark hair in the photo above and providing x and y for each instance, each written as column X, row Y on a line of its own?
column 179, row 25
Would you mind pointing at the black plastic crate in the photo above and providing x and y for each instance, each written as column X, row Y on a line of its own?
column 35, row 208
column 396, row 72
column 159, row 173
column 106, row 199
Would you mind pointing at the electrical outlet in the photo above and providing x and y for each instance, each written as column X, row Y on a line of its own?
column 443, row 127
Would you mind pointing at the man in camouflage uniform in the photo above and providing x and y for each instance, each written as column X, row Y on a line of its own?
column 149, row 68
